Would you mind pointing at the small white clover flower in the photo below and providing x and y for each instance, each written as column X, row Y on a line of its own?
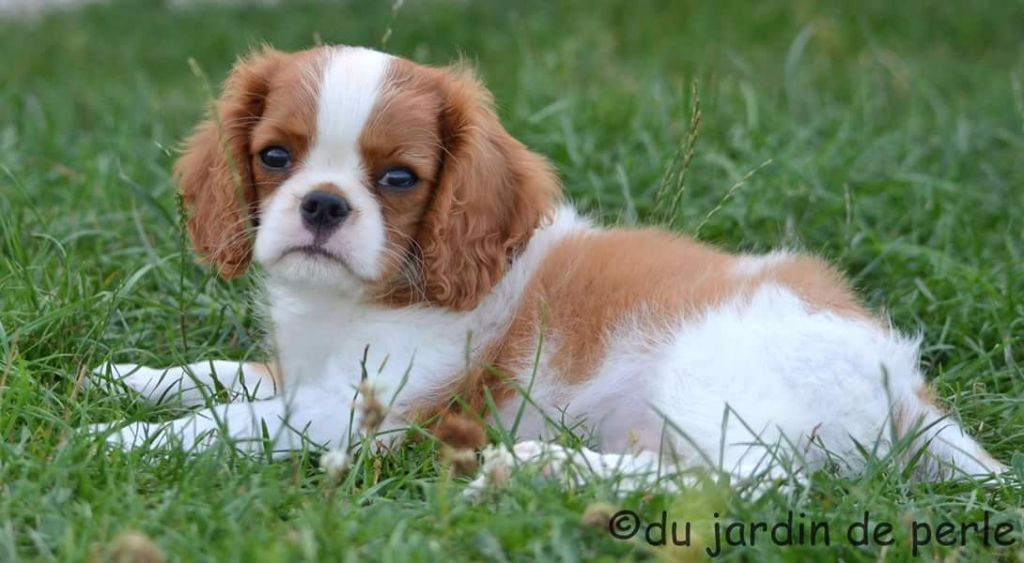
column 334, row 463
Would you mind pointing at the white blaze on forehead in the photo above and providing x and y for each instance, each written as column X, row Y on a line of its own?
column 352, row 80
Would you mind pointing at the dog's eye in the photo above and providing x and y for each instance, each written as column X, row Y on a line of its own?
column 397, row 178
column 276, row 157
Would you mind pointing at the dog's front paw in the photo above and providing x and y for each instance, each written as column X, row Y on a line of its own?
column 189, row 433
column 128, row 436
column 114, row 378
column 190, row 385
column 151, row 436
column 155, row 386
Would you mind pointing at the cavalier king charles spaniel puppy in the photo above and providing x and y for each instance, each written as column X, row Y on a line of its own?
column 407, row 239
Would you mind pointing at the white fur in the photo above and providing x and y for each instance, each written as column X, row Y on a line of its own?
column 191, row 385
column 574, row 467
column 751, row 383
column 752, row 265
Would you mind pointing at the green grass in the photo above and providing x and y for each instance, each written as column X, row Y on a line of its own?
column 895, row 134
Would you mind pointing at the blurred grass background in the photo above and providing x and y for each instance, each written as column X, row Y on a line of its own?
column 895, row 135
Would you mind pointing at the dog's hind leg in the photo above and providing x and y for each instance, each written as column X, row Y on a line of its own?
column 949, row 452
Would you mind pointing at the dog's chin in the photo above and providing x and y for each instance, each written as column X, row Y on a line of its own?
column 316, row 266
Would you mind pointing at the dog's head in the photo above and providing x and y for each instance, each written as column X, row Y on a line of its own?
column 348, row 169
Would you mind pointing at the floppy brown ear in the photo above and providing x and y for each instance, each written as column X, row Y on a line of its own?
column 214, row 174
column 490, row 196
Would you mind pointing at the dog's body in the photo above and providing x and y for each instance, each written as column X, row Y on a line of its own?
column 406, row 236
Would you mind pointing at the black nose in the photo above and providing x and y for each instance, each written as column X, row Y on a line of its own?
column 322, row 212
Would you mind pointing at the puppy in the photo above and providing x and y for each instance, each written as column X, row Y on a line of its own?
column 404, row 236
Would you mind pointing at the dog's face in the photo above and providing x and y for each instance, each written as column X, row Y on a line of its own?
column 361, row 174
